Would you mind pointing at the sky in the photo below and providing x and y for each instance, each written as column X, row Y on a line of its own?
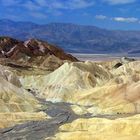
column 110, row 14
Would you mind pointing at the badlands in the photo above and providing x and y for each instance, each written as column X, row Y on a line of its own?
column 46, row 94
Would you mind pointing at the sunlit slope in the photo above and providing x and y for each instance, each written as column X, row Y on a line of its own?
column 101, row 129
column 66, row 81
column 16, row 104
column 13, row 97
column 113, row 90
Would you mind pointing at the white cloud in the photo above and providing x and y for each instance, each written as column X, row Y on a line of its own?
column 68, row 4
column 76, row 4
column 30, row 5
column 129, row 19
column 101, row 17
column 40, row 8
column 116, row 2
column 119, row 19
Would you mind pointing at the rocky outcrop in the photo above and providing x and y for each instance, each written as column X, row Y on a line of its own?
column 67, row 81
column 32, row 52
column 106, row 91
column 16, row 104
column 78, row 100
column 100, row 129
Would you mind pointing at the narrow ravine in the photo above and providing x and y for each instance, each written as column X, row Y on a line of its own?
column 60, row 113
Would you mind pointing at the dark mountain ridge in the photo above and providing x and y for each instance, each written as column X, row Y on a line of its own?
column 74, row 38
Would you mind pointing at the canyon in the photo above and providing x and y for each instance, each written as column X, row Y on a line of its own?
column 47, row 94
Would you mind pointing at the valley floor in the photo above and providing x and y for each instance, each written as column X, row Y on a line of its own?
column 103, row 57
column 64, row 124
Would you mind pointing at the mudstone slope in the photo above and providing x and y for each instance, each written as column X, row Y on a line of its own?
column 72, row 100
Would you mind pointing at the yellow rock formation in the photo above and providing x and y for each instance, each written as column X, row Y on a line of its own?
column 10, row 119
column 106, row 90
column 63, row 83
column 101, row 129
column 16, row 104
column 110, row 97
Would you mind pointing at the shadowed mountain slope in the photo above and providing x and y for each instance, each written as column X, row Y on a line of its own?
column 32, row 52
column 75, row 38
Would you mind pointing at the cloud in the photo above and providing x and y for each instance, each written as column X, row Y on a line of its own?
column 119, row 19
column 78, row 4
column 41, row 8
column 54, row 7
column 101, row 17
column 30, row 5
column 117, row 2
column 122, row 19
column 68, row 4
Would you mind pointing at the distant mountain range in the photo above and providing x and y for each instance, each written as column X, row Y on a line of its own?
column 75, row 38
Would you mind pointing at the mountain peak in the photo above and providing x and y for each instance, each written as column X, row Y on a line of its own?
column 74, row 38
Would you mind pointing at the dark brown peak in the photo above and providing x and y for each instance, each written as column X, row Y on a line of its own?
column 34, row 41
column 49, row 48
column 32, row 44
column 8, row 39
column 45, row 44
column 54, row 48
column 36, row 47
column 7, row 43
column 72, row 58
column 15, row 50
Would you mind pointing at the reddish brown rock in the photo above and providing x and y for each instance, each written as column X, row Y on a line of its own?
column 31, row 52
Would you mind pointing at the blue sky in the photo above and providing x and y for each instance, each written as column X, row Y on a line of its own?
column 111, row 14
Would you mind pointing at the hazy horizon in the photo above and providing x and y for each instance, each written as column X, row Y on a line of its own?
column 108, row 14
column 69, row 23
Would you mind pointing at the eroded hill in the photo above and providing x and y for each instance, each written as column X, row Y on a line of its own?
column 72, row 101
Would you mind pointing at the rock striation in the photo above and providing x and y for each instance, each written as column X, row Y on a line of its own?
column 67, row 81
column 107, row 91
column 32, row 52
column 100, row 129
column 51, row 95
column 16, row 104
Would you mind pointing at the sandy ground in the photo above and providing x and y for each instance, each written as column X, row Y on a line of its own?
column 103, row 57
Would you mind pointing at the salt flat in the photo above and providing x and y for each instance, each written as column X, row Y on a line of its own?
column 103, row 57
